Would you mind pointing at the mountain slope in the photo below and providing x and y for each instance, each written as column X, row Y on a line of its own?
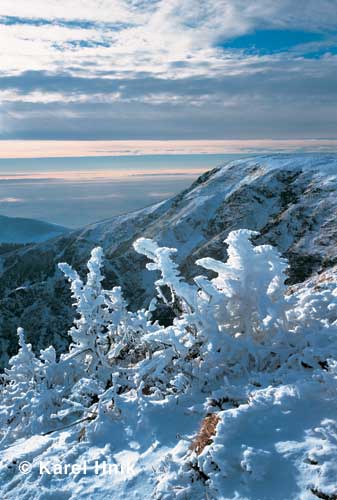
column 235, row 400
column 21, row 230
column 290, row 199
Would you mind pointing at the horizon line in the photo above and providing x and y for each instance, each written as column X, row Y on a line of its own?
column 33, row 148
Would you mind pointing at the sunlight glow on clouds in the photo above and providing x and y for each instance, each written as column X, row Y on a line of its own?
column 77, row 149
column 152, row 68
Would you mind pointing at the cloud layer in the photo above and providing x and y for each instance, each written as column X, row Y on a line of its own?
column 151, row 69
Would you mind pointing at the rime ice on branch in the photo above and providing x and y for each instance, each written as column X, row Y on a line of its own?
column 242, row 321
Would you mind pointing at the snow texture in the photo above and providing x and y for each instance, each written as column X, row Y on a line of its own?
column 235, row 399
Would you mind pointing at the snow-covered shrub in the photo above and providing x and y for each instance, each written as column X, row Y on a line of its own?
column 242, row 322
column 252, row 283
column 181, row 293
column 313, row 321
column 32, row 391
column 232, row 322
column 247, row 367
column 89, row 333
column 38, row 393
column 104, row 330
column 18, row 390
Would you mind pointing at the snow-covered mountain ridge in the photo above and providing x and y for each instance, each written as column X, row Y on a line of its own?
column 290, row 199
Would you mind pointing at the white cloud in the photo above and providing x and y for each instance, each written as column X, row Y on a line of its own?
column 161, row 34
column 168, row 57
column 89, row 10
column 11, row 200
column 7, row 96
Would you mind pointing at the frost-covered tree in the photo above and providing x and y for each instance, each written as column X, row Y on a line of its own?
column 33, row 391
column 89, row 333
column 252, row 282
column 18, row 389
column 181, row 293
column 172, row 345
column 312, row 319
column 224, row 318
column 247, row 306
column 106, row 336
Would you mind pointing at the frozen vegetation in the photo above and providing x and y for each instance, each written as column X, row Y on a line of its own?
column 291, row 200
column 235, row 399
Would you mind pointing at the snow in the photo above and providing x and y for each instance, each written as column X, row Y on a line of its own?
column 268, row 448
column 119, row 414
column 291, row 200
column 244, row 349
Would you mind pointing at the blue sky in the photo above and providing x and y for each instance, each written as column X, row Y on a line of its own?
column 168, row 69
column 273, row 41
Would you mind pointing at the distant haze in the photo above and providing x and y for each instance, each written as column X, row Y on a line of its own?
column 73, row 192
column 76, row 190
column 48, row 149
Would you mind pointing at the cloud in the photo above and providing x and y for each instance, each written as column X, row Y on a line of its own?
column 158, row 194
column 168, row 38
column 11, row 200
column 167, row 69
column 97, row 10
column 58, row 150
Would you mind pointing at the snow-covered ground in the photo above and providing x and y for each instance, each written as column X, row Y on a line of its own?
column 280, row 444
column 236, row 400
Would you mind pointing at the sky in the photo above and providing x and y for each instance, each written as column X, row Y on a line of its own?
column 146, row 148
column 168, row 69
column 76, row 191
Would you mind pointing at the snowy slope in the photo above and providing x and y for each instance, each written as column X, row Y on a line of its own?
column 21, row 230
column 281, row 446
column 290, row 199
column 256, row 416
